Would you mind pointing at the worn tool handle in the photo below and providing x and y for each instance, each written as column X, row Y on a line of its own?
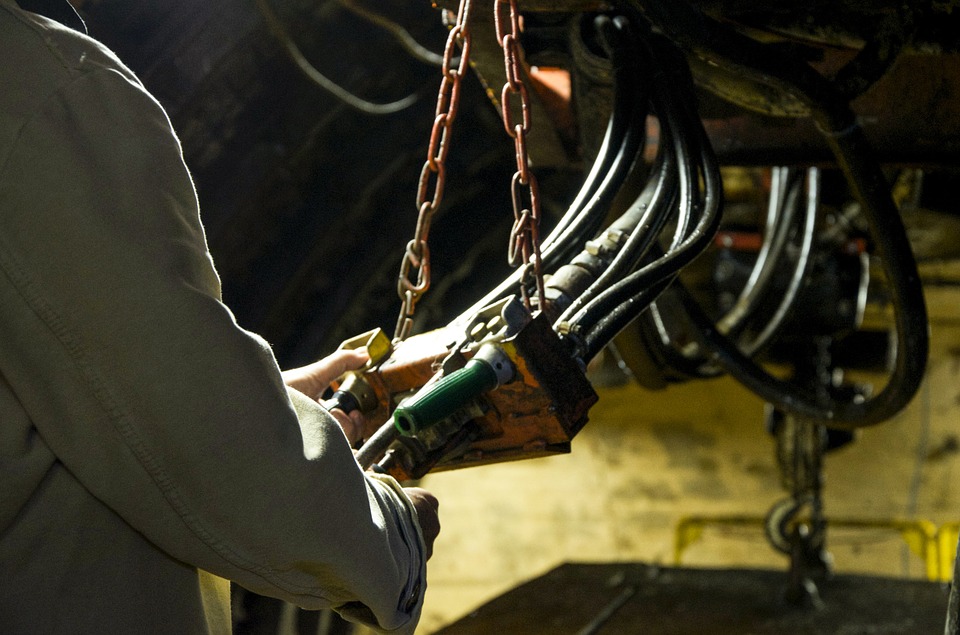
column 343, row 400
column 442, row 399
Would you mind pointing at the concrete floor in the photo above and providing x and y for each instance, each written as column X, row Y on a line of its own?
column 648, row 459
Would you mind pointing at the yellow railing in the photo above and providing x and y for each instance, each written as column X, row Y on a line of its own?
column 936, row 546
column 947, row 537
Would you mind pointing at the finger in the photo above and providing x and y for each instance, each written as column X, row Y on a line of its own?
column 314, row 378
column 426, row 505
column 342, row 360
column 359, row 423
column 350, row 427
column 337, row 363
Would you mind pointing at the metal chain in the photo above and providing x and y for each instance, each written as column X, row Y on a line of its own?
column 416, row 260
column 524, row 247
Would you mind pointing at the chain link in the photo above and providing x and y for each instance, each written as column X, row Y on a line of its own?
column 524, row 248
column 416, row 259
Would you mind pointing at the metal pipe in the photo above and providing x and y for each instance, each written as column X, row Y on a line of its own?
column 376, row 446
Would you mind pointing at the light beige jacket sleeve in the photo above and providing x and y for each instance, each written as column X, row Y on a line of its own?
column 136, row 376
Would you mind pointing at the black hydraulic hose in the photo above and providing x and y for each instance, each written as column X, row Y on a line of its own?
column 660, row 314
column 591, row 217
column 697, row 240
column 617, row 126
column 642, row 221
column 619, row 317
column 599, row 187
column 784, row 199
column 800, row 269
column 635, row 294
column 629, row 67
column 694, row 364
column 784, row 196
column 720, row 45
column 653, row 209
column 593, row 321
column 686, row 149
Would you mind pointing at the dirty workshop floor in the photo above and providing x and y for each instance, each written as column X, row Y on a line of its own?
column 649, row 460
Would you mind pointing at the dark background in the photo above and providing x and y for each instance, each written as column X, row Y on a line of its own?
column 307, row 202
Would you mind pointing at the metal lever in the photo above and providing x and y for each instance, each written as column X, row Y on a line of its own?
column 489, row 368
column 343, row 400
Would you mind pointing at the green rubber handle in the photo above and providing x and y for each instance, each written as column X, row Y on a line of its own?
column 442, row 399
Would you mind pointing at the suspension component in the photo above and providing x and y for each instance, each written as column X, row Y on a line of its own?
column 524, row 248
column 416, row 260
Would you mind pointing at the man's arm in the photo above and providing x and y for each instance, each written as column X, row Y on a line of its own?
column 314, row 379
column 139, row 379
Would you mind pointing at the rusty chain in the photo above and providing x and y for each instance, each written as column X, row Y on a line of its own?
column 524, row 248
column 416, row 260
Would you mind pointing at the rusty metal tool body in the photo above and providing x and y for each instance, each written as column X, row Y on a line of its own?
column 430, row 389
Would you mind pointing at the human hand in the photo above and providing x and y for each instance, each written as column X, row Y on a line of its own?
column 313, row 379
column 427, row 506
